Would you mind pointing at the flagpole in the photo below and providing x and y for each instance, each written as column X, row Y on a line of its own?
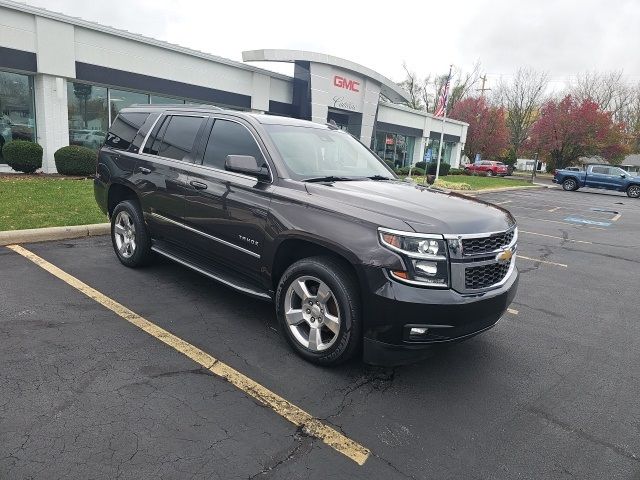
column 444, row 117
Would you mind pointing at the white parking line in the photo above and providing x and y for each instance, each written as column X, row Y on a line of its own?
column 554, row 236
column 538, row 260
column 563, row 223
column 554, row 209
column 512, row 311
column 616, row 217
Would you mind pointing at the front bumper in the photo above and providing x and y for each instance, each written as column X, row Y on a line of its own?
column 392, row 308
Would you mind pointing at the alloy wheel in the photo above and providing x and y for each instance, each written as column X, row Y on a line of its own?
column 312, row 313
column 125, row 234
column 634, row 191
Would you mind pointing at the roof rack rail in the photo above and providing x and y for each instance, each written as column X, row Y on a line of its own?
column 176, row 105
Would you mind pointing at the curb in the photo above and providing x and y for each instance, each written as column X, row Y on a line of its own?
column 505, row 189
column 9, row 237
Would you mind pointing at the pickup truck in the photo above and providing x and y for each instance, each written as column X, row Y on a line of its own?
column 305, row 216
column 599, row 176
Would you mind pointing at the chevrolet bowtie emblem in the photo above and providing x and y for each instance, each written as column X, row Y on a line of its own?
column 504, row 256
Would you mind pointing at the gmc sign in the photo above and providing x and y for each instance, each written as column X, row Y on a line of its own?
column 345, row 83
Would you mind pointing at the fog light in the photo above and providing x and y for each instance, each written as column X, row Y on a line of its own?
column 418, row 331
column 427, row 268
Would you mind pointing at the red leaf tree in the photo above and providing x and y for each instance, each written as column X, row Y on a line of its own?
column 569, row 129
column 487, row 133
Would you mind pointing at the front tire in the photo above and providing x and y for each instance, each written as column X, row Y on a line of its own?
column 490, row 173
column 318, row 309
column 569, row 185
column 129, row 235
column 633, row 191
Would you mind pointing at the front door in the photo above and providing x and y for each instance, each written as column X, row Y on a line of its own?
column 227, row 211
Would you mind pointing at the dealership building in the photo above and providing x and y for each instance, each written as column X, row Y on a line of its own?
column 63, row 80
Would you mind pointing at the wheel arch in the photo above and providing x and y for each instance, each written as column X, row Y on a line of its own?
column 292, row 248
column 117, row 193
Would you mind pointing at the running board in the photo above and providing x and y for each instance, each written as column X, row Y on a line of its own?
column 225, row 279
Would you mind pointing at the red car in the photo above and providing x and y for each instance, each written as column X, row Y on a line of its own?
column 491, row 168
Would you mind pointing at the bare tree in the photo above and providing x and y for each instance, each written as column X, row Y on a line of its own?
column 463, row 83
column 414, row 87
column 608, row 89
column 521, row 98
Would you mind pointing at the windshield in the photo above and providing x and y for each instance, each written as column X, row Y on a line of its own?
column 316, row 152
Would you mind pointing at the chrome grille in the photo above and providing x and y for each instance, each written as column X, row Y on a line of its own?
column 475, row 246
column 484, row 276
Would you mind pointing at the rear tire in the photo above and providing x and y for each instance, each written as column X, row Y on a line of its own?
column 318, row 310
column 633, row 191
column 129, row 235
column 570, row 185
column 490, row 173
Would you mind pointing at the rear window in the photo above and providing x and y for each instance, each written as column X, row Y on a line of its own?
column 123, row 129
column 179, row 136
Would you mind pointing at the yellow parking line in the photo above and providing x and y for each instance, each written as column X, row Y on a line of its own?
column 553, row 236
column 616, row 217
column 512, row 311
column 543, row 261
column 282, row 407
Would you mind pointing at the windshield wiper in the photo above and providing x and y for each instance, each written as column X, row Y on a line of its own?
column 379, row 177
column 329, row 178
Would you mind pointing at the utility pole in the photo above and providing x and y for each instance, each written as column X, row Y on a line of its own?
column 484, row 81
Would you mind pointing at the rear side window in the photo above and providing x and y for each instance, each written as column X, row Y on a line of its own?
column 230, row 138
column 601, row 170
column 176, row 137
column 124, row 128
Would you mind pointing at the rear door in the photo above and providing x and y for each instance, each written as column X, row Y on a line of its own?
column 227, row 211
column 597, row 177
column 162, row 174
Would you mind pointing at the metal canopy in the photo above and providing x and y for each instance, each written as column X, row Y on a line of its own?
column 387, row 88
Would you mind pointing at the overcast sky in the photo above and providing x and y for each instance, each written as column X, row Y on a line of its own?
column 562, row 37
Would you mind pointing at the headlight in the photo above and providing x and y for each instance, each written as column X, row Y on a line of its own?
column 425, row 257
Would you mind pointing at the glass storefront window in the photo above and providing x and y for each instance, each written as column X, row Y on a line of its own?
column 120, row 99
column 159, row 100
column 447, row 150
column 17, row 117
column 394, row 147
column 88, row 114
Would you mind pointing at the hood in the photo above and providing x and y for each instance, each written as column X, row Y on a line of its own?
column 425, row 210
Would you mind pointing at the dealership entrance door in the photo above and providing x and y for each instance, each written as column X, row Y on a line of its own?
column 348, row 121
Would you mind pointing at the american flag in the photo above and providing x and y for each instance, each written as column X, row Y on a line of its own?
column 441, row 109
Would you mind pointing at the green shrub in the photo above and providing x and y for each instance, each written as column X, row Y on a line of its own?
column 22, row 155
column 476, row 174
column 422, row 165
column 444, row 168
column 415, row 171
column 76, row 160
column 390, row 164
column 456, row 171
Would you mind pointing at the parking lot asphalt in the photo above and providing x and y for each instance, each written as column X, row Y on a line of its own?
column 553, row 391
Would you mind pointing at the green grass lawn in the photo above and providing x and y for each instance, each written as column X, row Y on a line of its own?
column 479, row 183
column 35, row 202
column 482, row 183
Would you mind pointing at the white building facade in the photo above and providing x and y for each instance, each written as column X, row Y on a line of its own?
column 63, row 80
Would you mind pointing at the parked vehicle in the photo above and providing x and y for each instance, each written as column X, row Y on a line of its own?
column 491, row 168
column 599, row 176
column 307, row 217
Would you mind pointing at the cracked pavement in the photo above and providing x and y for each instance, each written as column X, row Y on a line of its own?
column 549, row 393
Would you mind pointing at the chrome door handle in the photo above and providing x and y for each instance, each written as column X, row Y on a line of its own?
column 144, row 170
column 198, row 185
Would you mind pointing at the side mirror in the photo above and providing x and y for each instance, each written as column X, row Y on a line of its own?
column 245, row 164
column 623, row 175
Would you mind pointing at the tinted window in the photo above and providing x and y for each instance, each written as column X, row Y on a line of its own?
column 600, row 170
column 142, row 133
column 179, row 136
column 230, row 138
column 124, row 129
